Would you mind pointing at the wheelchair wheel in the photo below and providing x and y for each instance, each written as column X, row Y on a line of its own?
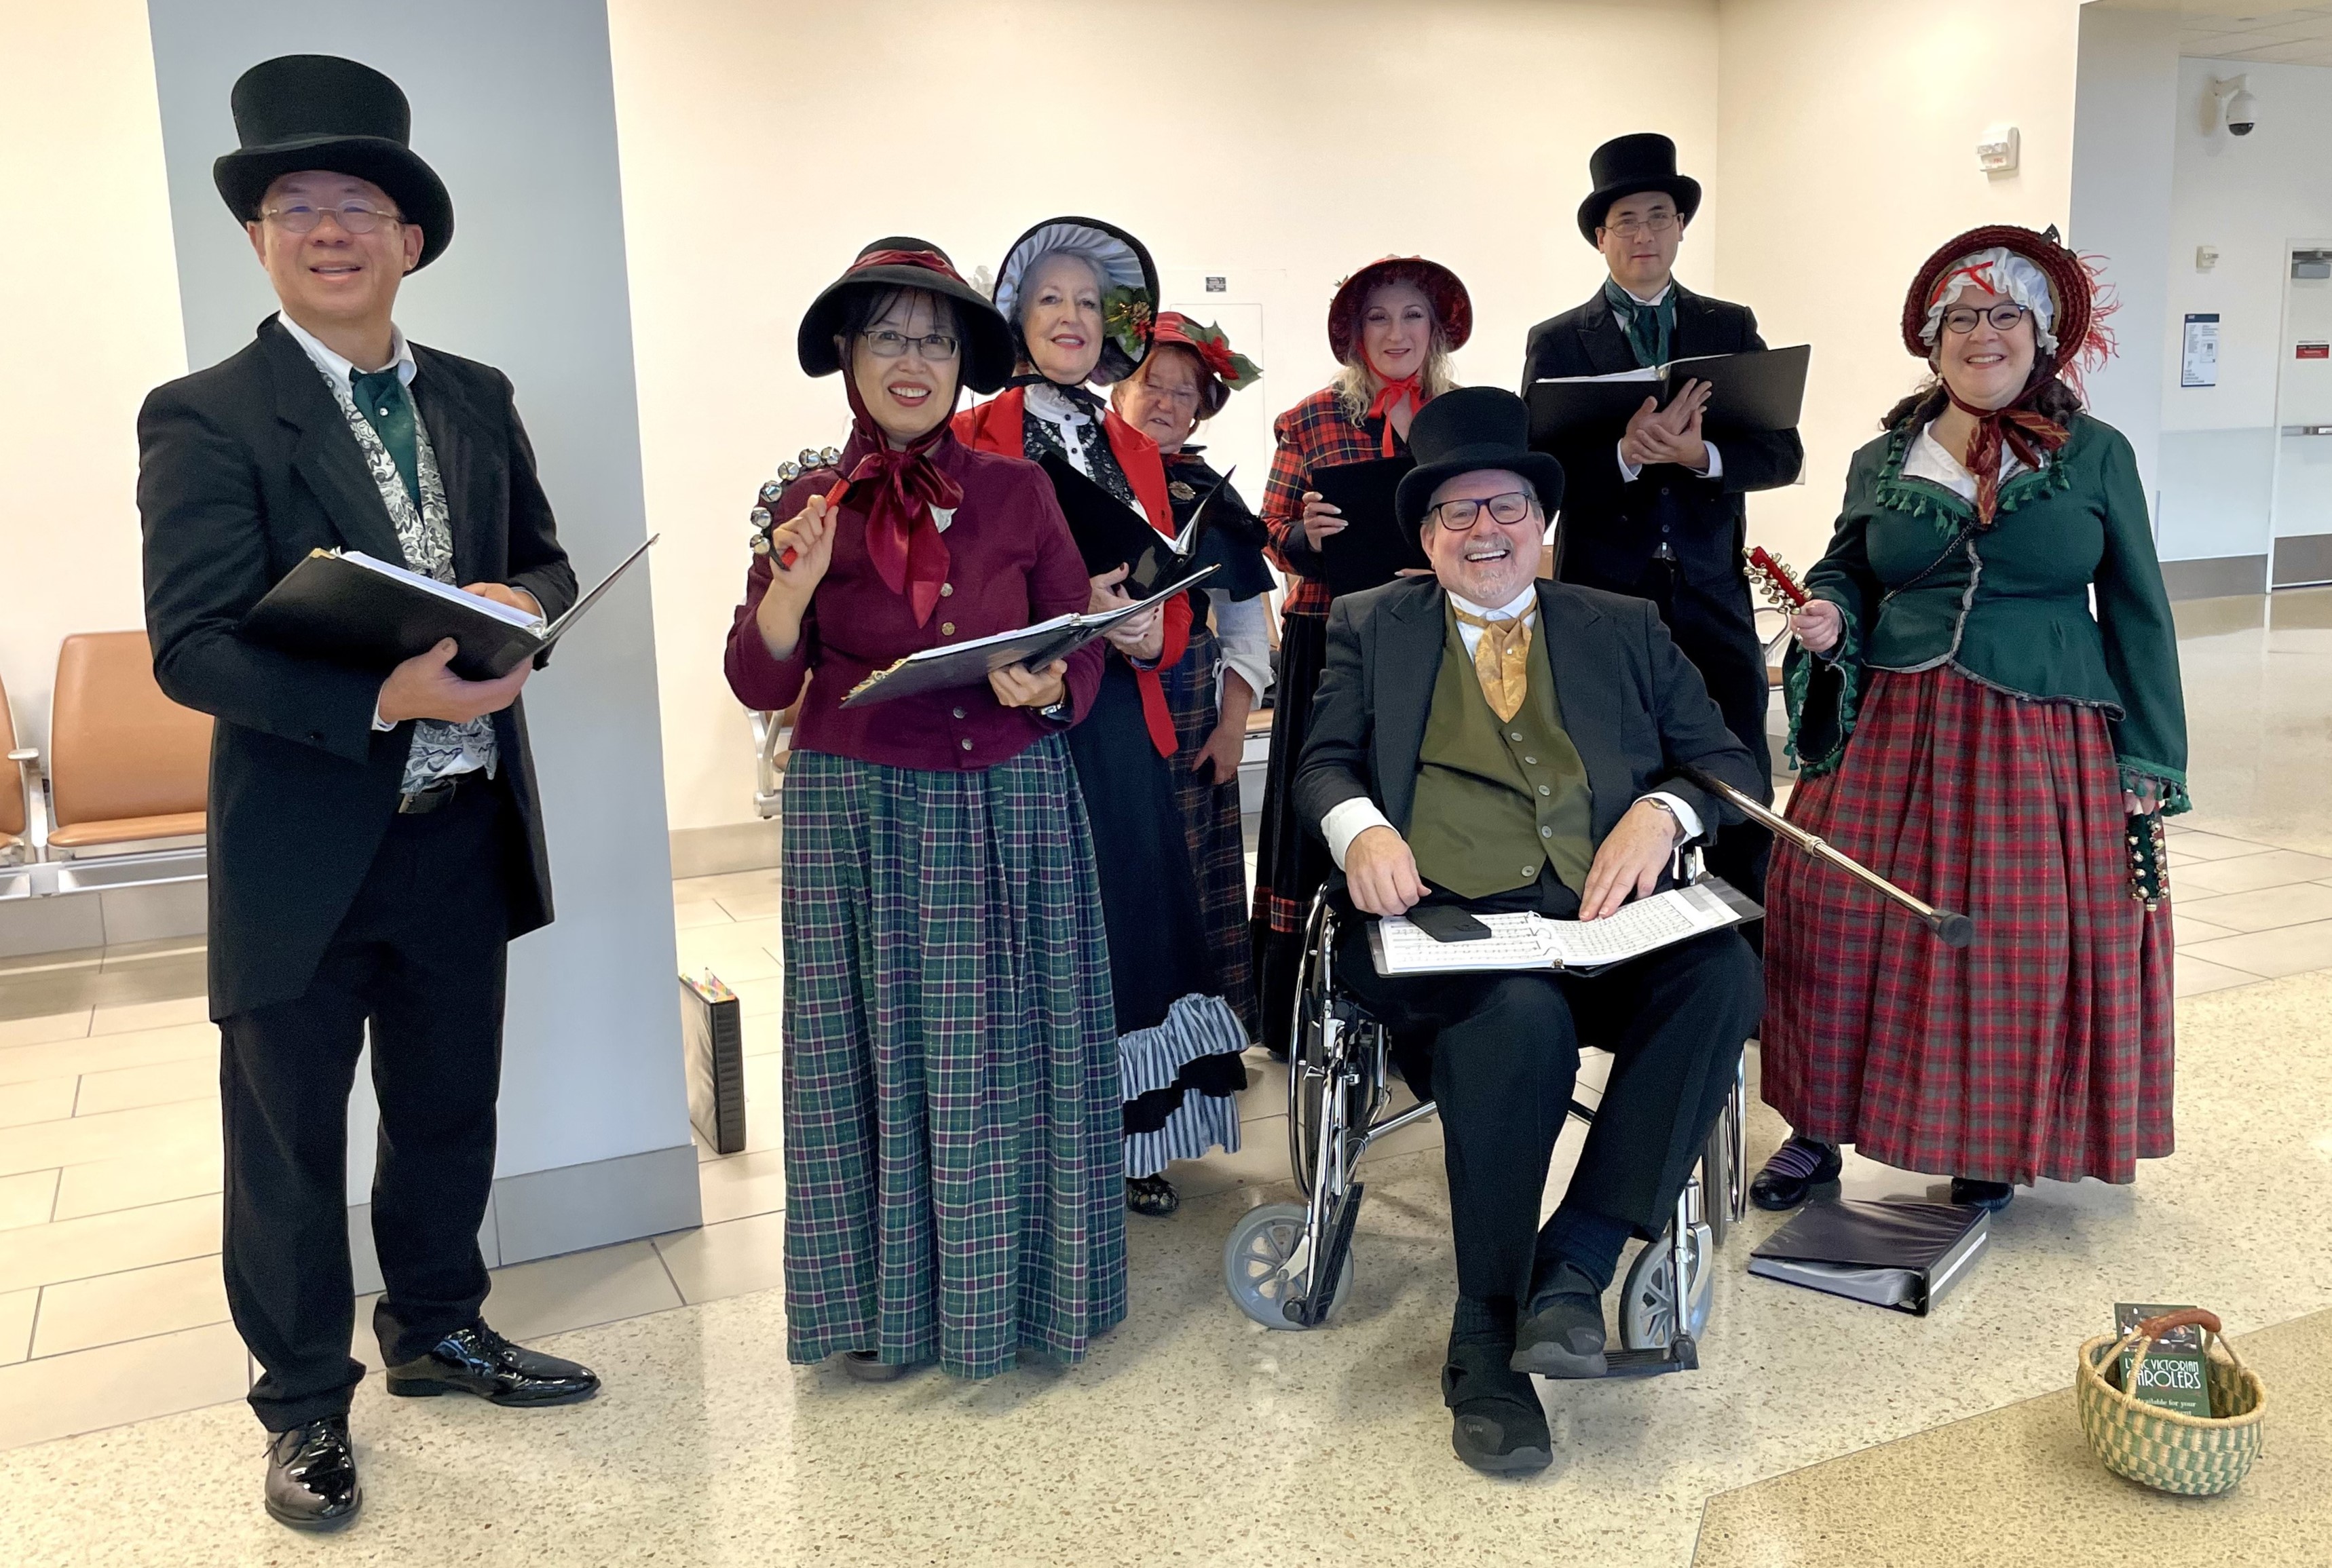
column 1647, row 1312
column 1262, row 1268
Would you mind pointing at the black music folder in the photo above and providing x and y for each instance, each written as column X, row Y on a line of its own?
column 1372, row 549
column 1759, row 391
column 1034, row 647
column 1891, row 1253
column 1110, row 534
column 713, row 1036
column 348, row 607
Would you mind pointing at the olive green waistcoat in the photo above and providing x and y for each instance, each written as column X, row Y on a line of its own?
column 1497, row 801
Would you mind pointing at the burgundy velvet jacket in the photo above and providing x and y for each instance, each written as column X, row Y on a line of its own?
column 1012, row 563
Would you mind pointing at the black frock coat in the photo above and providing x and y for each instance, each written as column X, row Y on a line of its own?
column 1611, row 530
column 243, row 469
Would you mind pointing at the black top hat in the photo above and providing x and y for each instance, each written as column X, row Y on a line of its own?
column 1627, row 165
column 1129, row 281
column 1471, row 428
column 318, row 111
column 904, row 261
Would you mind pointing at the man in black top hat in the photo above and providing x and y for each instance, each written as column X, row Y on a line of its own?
column 1485, row 739
column 1655, row 509
column 376, row 840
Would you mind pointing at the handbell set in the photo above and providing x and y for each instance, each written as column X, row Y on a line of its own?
column 764, row 518
column 1951, row 927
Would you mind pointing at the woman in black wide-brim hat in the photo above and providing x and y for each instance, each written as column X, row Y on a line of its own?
column 1081, row 297
column 1392, row 326
column 951, row 1085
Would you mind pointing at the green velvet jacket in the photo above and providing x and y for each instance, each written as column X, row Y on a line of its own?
column 1921, row 585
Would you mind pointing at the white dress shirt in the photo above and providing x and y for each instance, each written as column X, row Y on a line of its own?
column 1930, row 460
column 1348, row 819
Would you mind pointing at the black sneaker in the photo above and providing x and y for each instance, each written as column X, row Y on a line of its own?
column 1796, row 1169
column 1991, row 1195
column 1496, row 1423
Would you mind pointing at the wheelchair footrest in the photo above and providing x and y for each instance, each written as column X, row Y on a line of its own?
column 1679, row 1355
column 1312, row 1308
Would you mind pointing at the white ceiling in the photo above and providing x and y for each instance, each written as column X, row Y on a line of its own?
column 2246, row 30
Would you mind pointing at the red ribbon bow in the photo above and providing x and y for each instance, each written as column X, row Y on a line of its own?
column 898, row 488
column 2028, row 433
column 1392, row 395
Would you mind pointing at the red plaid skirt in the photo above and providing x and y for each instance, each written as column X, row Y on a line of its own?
column 2043, row 1049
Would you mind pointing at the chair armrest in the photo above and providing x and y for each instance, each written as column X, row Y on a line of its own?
column 36, row 801
column 770, row 732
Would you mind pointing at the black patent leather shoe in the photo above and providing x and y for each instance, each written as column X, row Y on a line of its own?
column 476, row 1360
column 312, row 1476
column 1991, row 1195
column 1796, row 1169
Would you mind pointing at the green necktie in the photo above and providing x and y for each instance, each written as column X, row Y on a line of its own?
column 381, row 397
column 1647, row 327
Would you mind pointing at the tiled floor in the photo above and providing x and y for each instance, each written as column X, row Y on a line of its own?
column 111, row 1309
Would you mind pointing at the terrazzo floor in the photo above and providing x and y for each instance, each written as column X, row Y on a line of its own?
column 1192, row 1436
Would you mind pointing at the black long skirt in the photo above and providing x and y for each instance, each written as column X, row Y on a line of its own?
column 1291, row 862
column 1179, row 1044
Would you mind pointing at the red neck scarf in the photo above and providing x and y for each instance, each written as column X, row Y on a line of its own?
column 1391, row 395
column 2028, row 433
column 898, row 489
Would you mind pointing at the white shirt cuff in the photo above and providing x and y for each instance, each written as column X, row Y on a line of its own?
column 1629, row 472
column 379, row 723
column 1347, row 821
column 1716, row 468
column 1687, row 818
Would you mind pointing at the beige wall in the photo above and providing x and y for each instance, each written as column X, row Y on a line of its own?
column 1848, row 135
column 1277, row 145
column 91, row 322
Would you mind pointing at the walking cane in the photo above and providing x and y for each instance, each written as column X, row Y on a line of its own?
column 1953, row 928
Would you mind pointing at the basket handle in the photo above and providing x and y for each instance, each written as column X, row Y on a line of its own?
column 2146, row 1332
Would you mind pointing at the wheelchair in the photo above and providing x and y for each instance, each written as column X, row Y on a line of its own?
column 1287, row 1266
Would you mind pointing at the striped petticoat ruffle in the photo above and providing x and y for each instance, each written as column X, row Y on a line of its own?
column 1180, row 1081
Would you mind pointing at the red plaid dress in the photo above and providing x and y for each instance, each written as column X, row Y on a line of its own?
column 2043, row 1049
column 1291, row 863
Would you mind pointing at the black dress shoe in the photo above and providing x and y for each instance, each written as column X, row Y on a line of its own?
column 1563, row 1338
column 312, row 1476
column 1496, row 1423
column 1993, row 1195
column 476, row 1360
column 1796, row 1169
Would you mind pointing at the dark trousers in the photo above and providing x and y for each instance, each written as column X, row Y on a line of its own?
column 420, row 957
column 1505, row 1053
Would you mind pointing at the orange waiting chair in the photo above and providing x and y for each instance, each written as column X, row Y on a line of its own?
column 129, row 769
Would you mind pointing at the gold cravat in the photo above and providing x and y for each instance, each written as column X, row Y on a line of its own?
column 1501, row 659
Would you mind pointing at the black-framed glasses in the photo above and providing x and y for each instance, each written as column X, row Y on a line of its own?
column 936, row 347
column 1961, row 320
column 1655, row 224
column 1512, row 506
column 357, row 216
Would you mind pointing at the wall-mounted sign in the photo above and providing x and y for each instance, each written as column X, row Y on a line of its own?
column 2312, row 351
column 1216, row 283
column 2198, row 361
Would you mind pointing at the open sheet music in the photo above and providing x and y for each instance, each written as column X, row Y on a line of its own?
column 1527, row 941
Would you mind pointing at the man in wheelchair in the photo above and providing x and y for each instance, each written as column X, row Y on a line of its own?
column 1486, row 738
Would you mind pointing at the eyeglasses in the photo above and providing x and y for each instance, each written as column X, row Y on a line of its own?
column 1629, row 228
column 936, row 347
column 1961, row 320
column 358, row 217
column 1460, row 516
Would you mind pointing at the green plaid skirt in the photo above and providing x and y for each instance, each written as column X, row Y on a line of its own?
column 954, row 1174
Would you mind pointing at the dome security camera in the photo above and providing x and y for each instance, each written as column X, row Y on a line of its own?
column 2238, row 110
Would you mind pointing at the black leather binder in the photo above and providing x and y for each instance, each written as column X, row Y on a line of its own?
column 713, row 1036
column 1372, row 551
column 1890, row 1253
column 1756, row 391
column 348, row 607
column 1110, row 534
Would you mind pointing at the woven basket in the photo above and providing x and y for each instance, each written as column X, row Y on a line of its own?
column 2163, row 1449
